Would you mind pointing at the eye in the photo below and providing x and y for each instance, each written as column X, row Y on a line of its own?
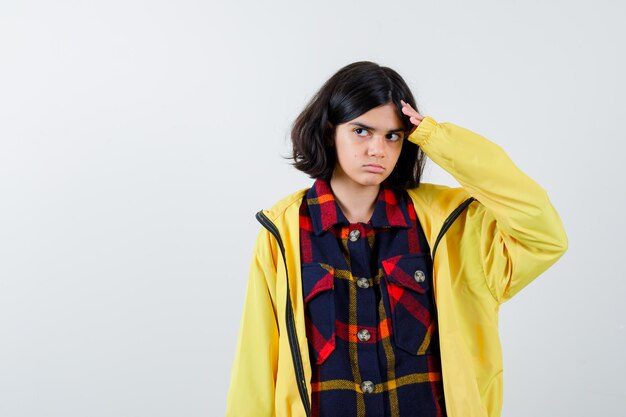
column 393, row 137
column 358, row 131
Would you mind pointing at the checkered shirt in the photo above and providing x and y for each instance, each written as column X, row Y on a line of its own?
column 370, row 316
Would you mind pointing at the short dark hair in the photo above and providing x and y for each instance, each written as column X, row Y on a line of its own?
column 353, row 90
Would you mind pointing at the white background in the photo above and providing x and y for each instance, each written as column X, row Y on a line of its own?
column 138, row 139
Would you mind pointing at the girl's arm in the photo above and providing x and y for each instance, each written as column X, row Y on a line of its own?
column 253, row 375
column 521, row 234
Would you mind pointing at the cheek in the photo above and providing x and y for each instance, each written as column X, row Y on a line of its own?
column 346, row 151
column 343, row 153
column 397, row 151
column 394, row 156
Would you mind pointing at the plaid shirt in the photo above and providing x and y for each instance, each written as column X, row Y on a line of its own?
column 370, row 315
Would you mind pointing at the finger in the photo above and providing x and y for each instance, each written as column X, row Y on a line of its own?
column 404, row 103
column 407, row 106
column 412, row 113
column 408, row 110
column 415, row 120
column 414, row 116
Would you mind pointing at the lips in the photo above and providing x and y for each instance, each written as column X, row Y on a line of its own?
column 373, row 168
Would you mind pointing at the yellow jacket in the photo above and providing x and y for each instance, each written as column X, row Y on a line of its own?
column 490, row 238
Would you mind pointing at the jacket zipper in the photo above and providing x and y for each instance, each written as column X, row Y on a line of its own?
column 448, row 222
column 289, row 319
column 444, row 228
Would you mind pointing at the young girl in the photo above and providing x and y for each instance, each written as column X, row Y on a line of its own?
column 374, row 294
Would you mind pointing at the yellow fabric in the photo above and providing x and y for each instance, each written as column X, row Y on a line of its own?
column 496, row 247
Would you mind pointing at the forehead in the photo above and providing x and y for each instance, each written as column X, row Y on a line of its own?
column 384, row 118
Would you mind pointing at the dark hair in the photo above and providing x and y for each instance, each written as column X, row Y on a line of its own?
column 353, row 90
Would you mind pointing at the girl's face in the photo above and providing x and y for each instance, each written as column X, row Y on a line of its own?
column 368, row 147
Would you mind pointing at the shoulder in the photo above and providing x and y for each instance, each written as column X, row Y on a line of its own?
column 284, row 215
column 439, row 199
column 286, row 204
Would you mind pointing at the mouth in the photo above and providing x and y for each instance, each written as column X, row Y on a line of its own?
column 373, row 168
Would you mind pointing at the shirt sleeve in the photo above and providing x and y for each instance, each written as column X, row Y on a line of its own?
column 520, row 233
column 253, row 374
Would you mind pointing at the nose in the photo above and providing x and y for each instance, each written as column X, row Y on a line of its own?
column 377, row 146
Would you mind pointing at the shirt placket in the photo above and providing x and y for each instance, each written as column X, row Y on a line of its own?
column 363, row 332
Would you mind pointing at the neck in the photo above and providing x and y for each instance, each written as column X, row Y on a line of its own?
column 357, row 202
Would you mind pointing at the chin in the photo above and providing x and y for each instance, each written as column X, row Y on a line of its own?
column 369, row 182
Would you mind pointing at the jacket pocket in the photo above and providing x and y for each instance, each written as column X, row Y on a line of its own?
column 319, row 301
column 413, row 318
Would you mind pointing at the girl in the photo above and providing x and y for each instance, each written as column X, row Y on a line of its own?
column 374, row 294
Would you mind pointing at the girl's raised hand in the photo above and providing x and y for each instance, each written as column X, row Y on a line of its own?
column 414, row 116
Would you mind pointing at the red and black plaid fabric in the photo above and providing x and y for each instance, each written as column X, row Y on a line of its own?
column 370, row 315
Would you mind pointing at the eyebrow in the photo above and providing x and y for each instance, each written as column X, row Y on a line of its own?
column 371, row 128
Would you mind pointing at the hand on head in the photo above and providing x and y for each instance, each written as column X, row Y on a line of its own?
column 414, row 116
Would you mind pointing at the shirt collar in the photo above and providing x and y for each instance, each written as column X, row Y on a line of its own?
column 390, row 209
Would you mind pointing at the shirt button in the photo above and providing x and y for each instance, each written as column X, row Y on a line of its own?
column 354, row 235
column 419, row 276
column 363, row 283
column 363, row 335
column 367, row 387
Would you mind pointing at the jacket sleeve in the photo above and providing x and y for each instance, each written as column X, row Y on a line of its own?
column 253, row 374
column 521, row 234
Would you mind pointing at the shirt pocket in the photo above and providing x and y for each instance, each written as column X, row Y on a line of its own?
column 319, row 301
column 413, row 318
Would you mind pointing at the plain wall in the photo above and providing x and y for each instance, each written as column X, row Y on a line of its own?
column 138, row 139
